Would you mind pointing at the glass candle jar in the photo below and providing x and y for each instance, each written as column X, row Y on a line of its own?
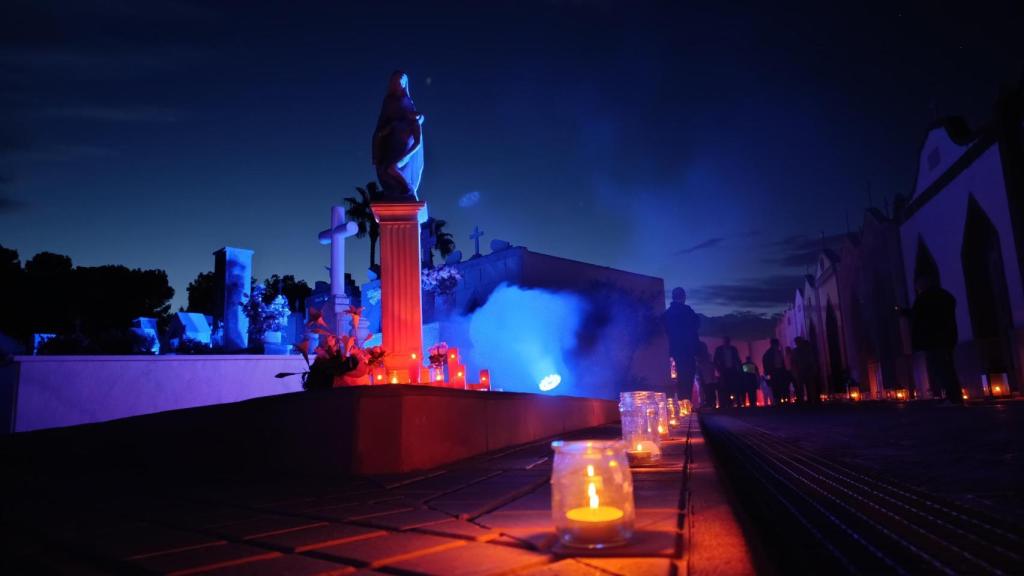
column 661, row 401
column 639, row 415
column 591, row 493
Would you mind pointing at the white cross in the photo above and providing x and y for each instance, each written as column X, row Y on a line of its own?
column 335, row 236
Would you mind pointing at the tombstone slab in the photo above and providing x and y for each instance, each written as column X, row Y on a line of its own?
column 233, row 270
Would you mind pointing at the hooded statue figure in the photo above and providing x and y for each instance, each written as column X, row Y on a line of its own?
column 398, row 141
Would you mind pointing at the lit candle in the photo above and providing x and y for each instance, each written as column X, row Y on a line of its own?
column 591, row 494
column 642, row 453
column 595, row 523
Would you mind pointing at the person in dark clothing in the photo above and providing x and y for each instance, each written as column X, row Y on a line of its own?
column 751, row 382
column 773, row 364
column 708, row 382
column 933, row 331
column 681, row 325
column 805, row 372
column 727, row 362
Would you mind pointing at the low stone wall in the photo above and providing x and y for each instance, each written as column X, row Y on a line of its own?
column 52, row 391
column 362, row 430
column 405, row 428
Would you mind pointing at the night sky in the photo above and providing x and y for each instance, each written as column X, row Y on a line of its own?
column 710, row 145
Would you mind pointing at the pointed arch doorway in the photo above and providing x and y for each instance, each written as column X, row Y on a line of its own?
column 988, row 300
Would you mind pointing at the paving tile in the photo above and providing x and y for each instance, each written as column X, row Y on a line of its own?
column 202, row 559
column 316, row 537
column 461, row 529
column 645, row 566
column 359, row 511
column 302, row 506
column 264, row 527
column 489, row 494
column 567, row 567
column 473, row 559
column 514, row 463
column 388, row 549
column 194, row 517
column 656, row 519
column 449, row 481
column 531, row 526
column 643, row 543
column 407, row 520
column 290, row 565
column 140, row 540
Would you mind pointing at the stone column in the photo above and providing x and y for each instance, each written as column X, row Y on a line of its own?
column 233, row 270
column 401, row 306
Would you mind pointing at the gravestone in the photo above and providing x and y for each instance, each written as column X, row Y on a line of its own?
column 145, row 338
column 233, row 270
column 186, row 326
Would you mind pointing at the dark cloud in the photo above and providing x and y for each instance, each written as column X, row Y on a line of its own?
column 709, row 243
column 743, row 325
column 9, row 205
column 801, row 250
column 771, row 292
column 113, row 114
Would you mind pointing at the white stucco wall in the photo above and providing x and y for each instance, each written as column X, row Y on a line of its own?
column 948, row 152
column 54, row 391
column 941, row 222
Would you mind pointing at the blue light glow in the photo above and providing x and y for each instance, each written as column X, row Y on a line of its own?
column 549, row 382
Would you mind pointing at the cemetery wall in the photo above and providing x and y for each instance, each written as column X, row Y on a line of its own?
column 55, row 391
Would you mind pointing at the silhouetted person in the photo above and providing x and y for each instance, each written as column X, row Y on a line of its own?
column 727, row 362
column 933, row 331
column 805, row 371
column 706, row 373
column 750, row 382
column 681, row 325
column 773, row 363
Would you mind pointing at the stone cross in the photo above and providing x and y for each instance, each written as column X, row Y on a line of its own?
column 475, row 236
column 335, row 236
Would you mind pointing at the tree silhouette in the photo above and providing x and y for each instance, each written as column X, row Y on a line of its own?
column 202, row 294
column 359, row 210
column 91, row 307
column 296, row 291
column 437, row 239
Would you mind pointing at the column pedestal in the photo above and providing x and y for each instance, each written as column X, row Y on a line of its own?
column 400, row 286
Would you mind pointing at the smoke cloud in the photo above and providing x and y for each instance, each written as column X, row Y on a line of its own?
column 524, row 335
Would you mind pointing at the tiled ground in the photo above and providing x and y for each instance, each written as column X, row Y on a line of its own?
column 489, row 515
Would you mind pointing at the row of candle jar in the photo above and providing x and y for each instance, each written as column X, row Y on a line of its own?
column 647, row 418
column 592, row 503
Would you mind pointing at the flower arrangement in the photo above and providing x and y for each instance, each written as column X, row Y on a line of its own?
column 339, row 359
column 438, row 354
column 441, row 280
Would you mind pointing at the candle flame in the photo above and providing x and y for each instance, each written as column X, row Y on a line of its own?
column 595, row 502
column 639, row 447
column 590, row 470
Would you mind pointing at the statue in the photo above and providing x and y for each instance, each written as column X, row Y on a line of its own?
column 398, row 141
